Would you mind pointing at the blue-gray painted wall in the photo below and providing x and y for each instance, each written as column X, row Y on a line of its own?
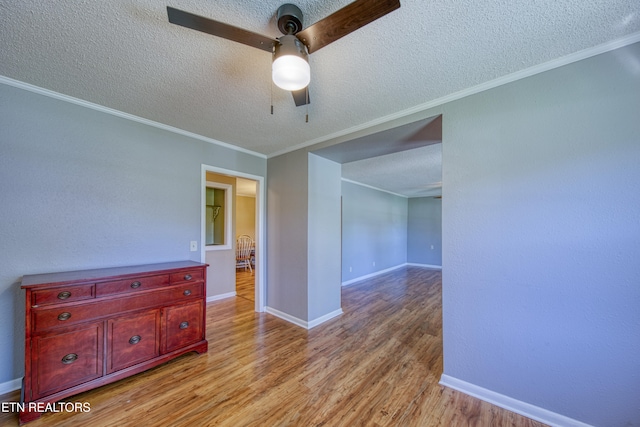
column 303, row 242
column 324, row 284
column 374, row 229
column 424, row 231
column 287, row 227
column 377, row 225
column 541, row 239
column 81, row 189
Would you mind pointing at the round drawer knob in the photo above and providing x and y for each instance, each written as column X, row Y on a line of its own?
column 135, row 285
column 188, row 277
column 64, row 316
column 64, row 295
column 184, row 325
column 69, row 358
column 135, row 339
column 187, row 292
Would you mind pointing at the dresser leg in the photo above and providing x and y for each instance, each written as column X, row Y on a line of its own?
column 27, row 415
column 202, row 348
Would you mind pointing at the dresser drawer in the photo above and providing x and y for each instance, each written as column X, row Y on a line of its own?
column 183, row 325
column 133, row 339
column 65, row 294
column 61, row 316
column 186, row 276
column 66, row 359
column 131, row 285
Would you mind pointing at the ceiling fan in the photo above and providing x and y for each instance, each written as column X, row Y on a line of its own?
column 290, row 66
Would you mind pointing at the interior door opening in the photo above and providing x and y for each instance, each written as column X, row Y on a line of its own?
column 240, row 212
column 245, row 222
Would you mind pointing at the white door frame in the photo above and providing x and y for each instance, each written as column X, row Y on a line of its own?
column 259, row 273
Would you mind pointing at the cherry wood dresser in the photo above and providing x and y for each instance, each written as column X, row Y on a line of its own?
column 88, row 328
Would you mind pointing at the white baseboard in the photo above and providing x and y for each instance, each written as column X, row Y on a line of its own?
column 322, row 319
column 303, row 323
column 413, row 264
column 284, row 316
column 374, row 274
column 10, row 386
column 530, row 411
column 221, row 296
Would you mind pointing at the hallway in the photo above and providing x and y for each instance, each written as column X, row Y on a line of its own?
column 245, row 284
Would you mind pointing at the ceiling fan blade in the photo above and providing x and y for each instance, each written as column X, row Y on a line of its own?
column 345, row 21
column 220, row 29
column 301, row 97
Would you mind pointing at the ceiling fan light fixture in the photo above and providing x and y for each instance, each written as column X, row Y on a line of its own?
column 290, row 55
column 290, row 69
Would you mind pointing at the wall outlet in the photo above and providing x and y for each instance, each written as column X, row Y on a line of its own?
column 374, row 263
column 350, row 269
column 193, row 246
column 431, row 247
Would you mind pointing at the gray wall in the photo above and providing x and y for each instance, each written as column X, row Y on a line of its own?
column 221, row 273
column 324, row 237
column 424, row 231
column 287, row 225
column 374, row 229
column 541, row 228
column 303, row 215
column 83, row 189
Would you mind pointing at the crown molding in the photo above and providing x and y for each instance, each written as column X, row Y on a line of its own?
column 374, row 188
column 62, row 97
column 518, row 75
column 509, row 78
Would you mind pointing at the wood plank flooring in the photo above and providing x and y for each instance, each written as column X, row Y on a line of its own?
column 378, row 364
column 245, row 284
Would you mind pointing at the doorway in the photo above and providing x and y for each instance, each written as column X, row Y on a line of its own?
column 245, row 224
column 221, row 276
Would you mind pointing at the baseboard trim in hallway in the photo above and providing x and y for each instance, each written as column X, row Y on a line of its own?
column 528, row 410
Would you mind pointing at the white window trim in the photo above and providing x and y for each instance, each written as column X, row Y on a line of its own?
column 227, row 215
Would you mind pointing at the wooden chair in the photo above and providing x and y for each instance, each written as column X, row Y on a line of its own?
column 244, row 245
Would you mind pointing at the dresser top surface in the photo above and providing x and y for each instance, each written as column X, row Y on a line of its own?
column 34, row 280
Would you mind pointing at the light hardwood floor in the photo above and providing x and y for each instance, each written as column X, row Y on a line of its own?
column 378, row 364
column 245, row 284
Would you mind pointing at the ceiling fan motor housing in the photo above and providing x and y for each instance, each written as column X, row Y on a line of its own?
column 290, row 45
column 289, row 18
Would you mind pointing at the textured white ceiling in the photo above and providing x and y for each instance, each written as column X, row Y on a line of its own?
column 125, row 55
column 405, row 160
column 419, row 176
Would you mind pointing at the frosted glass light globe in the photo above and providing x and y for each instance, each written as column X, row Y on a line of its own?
column 291, row 72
